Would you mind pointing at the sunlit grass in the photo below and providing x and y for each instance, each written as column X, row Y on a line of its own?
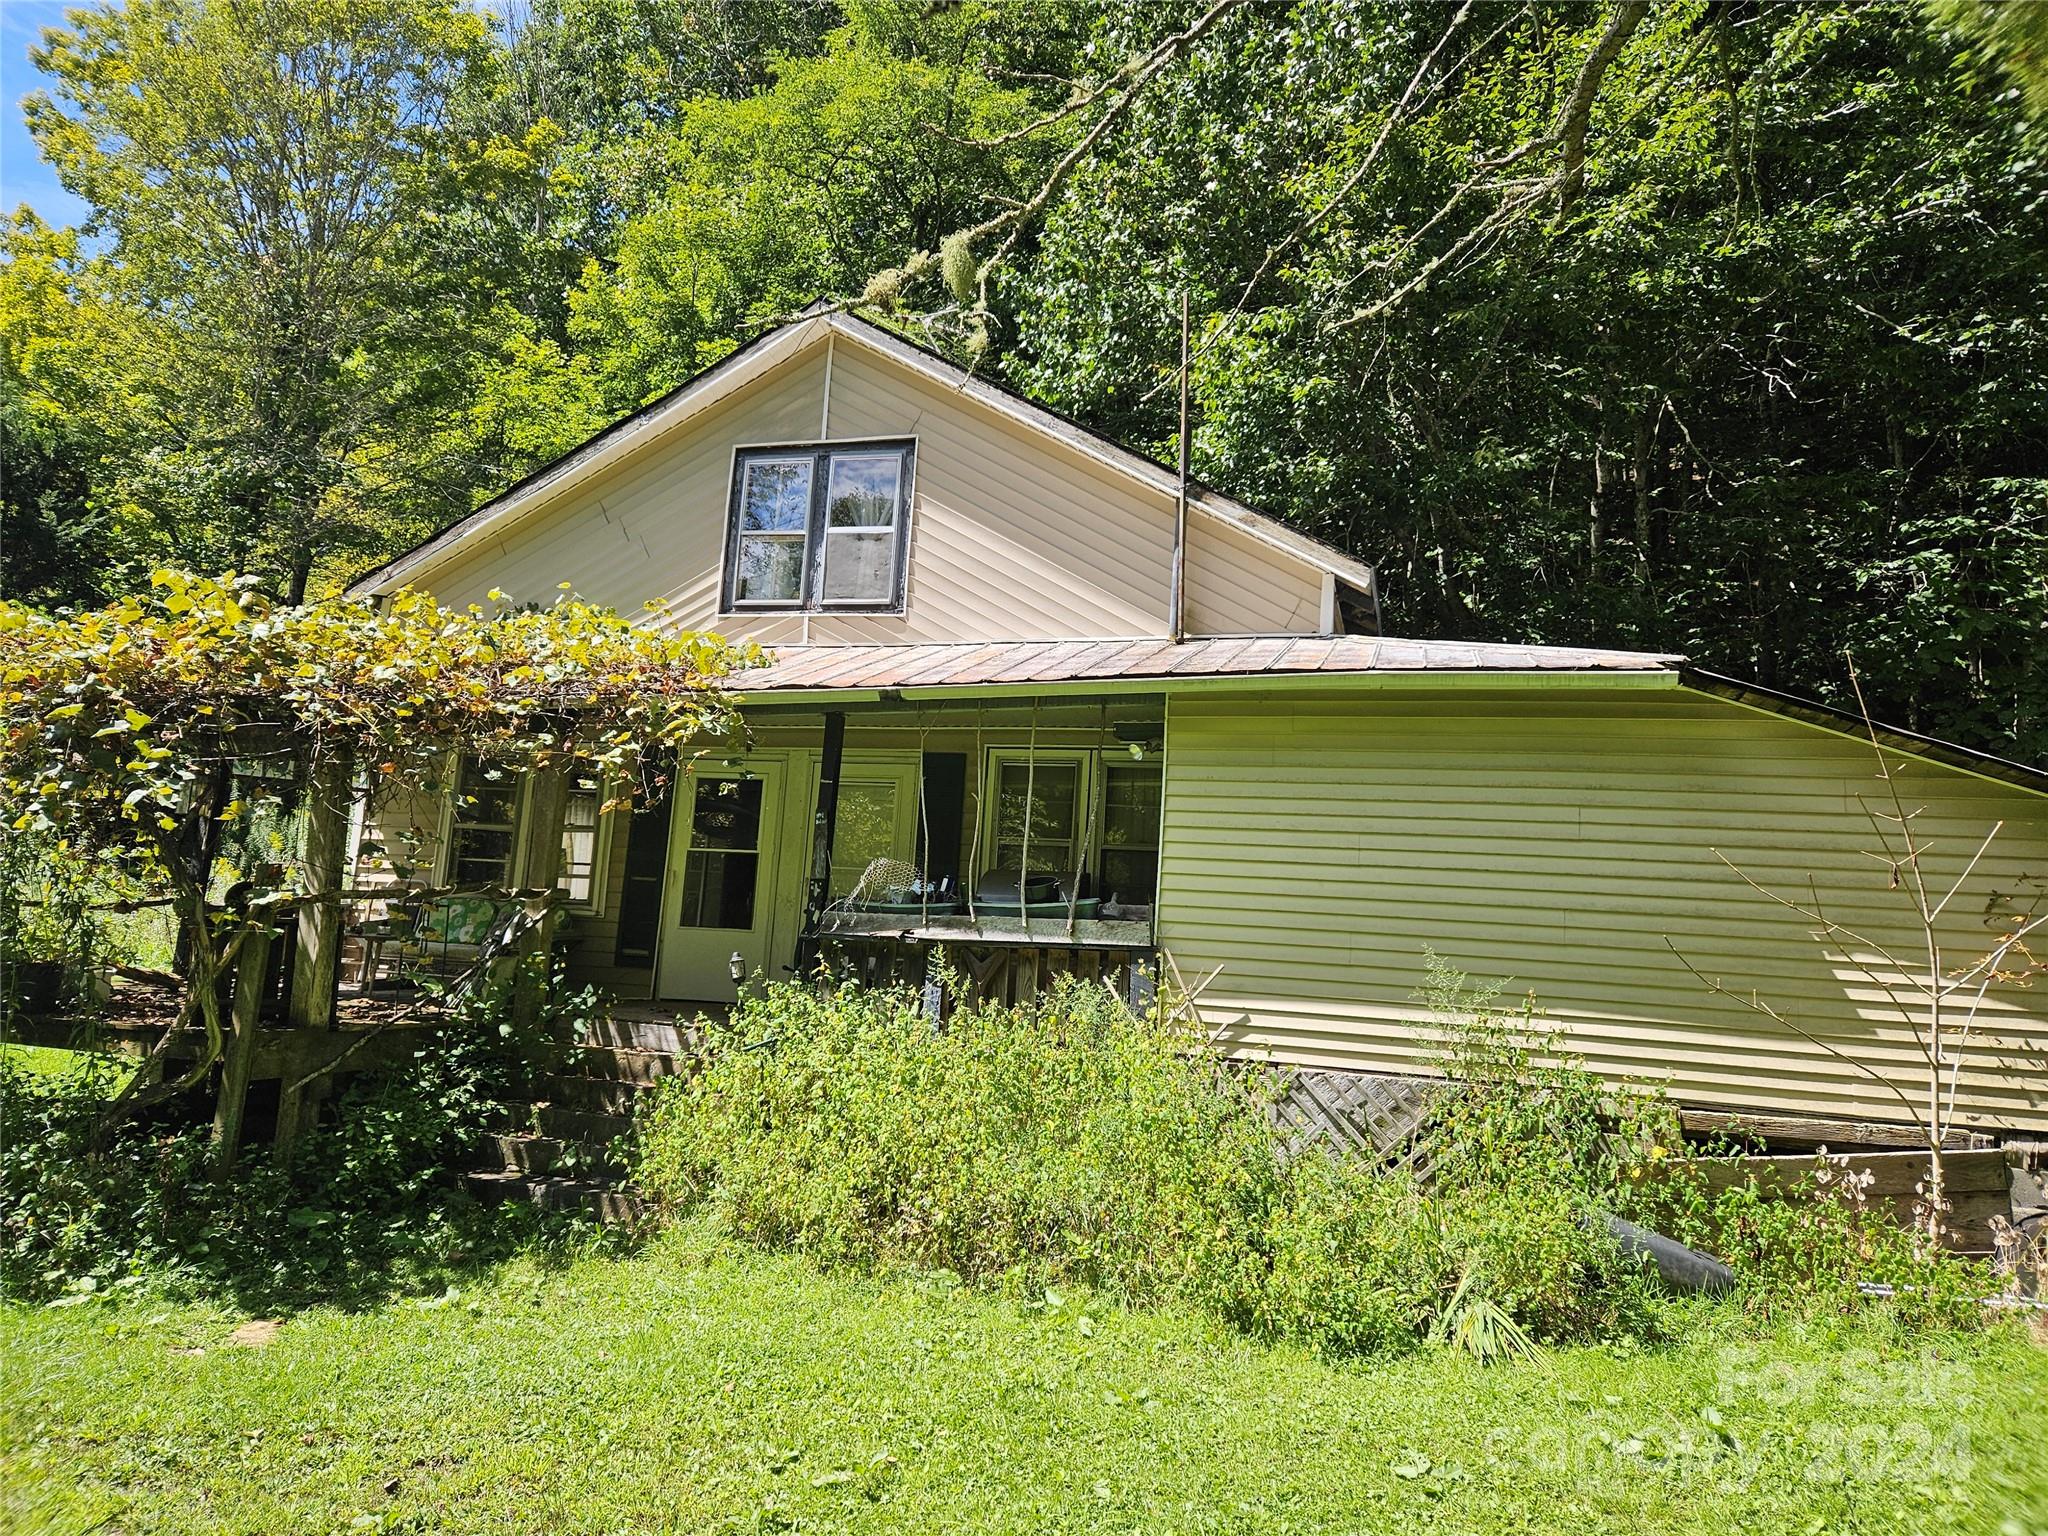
column 703, row 1387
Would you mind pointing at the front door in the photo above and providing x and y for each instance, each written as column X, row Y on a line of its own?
column 722, row 882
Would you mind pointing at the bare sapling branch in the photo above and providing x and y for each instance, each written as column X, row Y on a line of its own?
column 1939, row 1001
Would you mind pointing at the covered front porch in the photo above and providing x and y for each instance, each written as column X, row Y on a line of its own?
column 976, row 847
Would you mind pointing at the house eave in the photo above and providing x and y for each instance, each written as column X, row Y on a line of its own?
column 1269, row 682
column 632, row 432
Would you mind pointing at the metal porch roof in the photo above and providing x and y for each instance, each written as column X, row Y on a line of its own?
column 809, row 668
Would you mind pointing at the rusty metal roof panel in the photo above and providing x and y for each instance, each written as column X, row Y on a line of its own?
column 1015, row 662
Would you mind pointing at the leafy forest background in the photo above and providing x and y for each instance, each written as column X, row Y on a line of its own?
column 1708, row 326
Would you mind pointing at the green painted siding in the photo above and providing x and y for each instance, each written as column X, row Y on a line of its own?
column 1315, row 845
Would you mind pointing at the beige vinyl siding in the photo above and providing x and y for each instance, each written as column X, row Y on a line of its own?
column 1315, row 845
column 407, row 823
column 651, row 529
column 1013, row 535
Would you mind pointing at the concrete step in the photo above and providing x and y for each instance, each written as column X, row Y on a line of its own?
column 528, row 1152
column 600, row 1197
column 629, row 1064
column 594, row 1128
column 603, row 1095
column 672, row 1037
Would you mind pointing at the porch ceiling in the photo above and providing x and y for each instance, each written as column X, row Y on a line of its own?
column 808, row 668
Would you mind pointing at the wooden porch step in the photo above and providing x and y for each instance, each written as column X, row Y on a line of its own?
column 633, row 1064
column 531, row 1153
column 610, row 1096
column 595, row 1128
column 673, row 1036
column 600, row 1197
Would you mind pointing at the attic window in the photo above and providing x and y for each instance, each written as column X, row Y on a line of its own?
column 819, row 527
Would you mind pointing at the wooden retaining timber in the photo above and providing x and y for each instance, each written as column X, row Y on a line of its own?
column 1979, row 1185
column 1813, row 1132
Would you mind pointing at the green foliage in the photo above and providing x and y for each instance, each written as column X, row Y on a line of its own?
column 366, row 1204
column 113, row 720
column 271, row 183
column 851, row 163
column 1808, row 1247
column 52, row 937
column 1773, row 389
column 1071, row 1143
column 2012, row 38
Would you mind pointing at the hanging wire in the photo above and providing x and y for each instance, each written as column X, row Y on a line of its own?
column 974, row 850
column 1088, row 829
column 1030, row 800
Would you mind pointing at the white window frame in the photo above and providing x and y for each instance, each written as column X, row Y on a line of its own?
column 1092, row 811
column 445, row 863
column 600, row 867
column 600, row 853
column 998, row 758
column 818, row 534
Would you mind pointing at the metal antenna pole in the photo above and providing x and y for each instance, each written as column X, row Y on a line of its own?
column 1177, row 630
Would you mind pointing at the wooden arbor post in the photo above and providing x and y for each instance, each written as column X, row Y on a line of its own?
column 539, row 862
column 317, row 965
column 245, row 1022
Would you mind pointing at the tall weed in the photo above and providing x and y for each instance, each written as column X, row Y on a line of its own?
column 1072, row 1141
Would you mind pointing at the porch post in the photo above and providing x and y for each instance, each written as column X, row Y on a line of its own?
column 823, row 829
column 539, row 862
column 317, row 963
column 245, row 1019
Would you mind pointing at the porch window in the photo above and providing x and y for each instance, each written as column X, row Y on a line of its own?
column 1129, row 867
column 819, row 528
column 481, row 817
column 582, row 875
column 1095, row 811
column 1048, row 794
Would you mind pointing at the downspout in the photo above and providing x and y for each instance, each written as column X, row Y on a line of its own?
column 1177, row 627
column 824, row 435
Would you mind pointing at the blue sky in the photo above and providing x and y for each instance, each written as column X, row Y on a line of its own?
column 23, row 176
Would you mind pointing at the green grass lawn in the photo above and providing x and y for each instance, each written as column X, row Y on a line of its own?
column 40, row 1060
column 700, row 1387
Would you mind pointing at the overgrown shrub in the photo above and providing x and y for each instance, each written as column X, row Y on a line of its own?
column 1071, row 1141
column 1814, row 1244
column 368, row 1202
column 53, row 936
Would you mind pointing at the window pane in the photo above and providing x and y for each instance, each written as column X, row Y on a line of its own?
column 865, row 831
column 479, row 856
column 1049, row 856
column 1055, row 794
column 1130, row 805
column 726, row 814
column 860, row 567
column 862, row 490
column 775, row 496
column 484, row 795
column 771, row 568
column 1130, row 875
column 579, row 855
column 718, row 889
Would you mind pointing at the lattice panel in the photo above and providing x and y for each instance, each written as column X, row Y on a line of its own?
column 1354, row 1114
